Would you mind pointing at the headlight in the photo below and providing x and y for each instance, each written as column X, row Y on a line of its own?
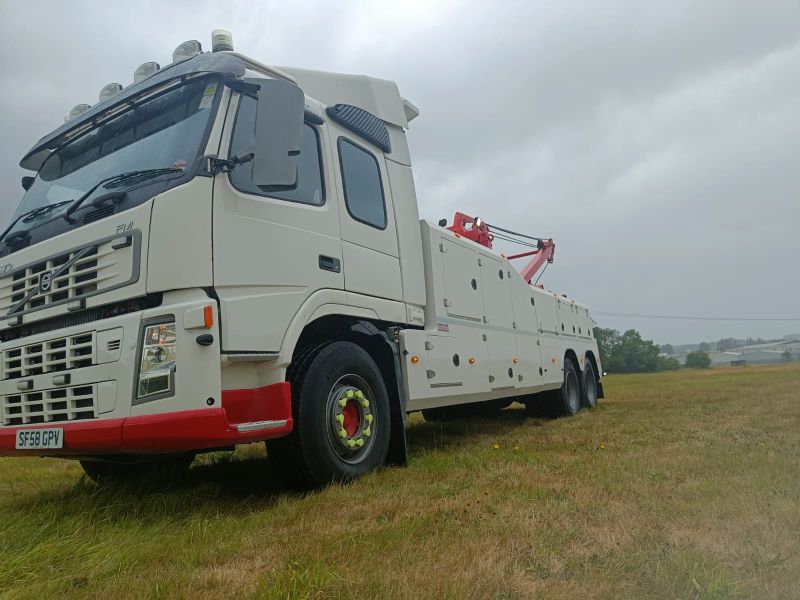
column 157, row 366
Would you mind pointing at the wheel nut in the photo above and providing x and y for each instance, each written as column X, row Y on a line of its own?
column 360, row 443
column 359, row 394
column 342, row 433
column 351, row 443
column 349, row 393
column 365, row 403
column 367, row 432
column 340, row 418
column 368, row 418
column 342, row 402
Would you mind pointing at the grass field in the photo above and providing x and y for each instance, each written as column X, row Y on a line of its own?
column 679, row 485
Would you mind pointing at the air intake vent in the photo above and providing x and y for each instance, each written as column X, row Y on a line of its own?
column 113, row 345
column 99, row 213
column 364, row 123
column 18, row 245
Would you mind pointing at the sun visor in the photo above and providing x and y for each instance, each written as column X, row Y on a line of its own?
column 221, row 63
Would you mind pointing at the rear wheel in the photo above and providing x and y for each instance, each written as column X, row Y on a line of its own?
column 119, row 470
column 563, row 402
column 341, row 419
column 589, row 386
column 570, row 390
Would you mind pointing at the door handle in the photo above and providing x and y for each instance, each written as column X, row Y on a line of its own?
column 329, row 263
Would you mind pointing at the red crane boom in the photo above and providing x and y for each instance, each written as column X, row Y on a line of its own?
column 479, row 231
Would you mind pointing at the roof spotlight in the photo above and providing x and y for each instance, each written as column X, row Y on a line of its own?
column 221, row 39
column 77, row 111
column 111, row 89
column 478, row 221
column 186, row 50
column 144, row 71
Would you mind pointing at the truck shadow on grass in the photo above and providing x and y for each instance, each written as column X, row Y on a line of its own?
column 426, row 437
column 243, row 482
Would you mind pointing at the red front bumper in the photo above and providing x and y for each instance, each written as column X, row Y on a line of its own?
column 239, row 420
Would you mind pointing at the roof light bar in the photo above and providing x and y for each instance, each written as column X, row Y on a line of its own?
column 186, row 50
column 109, row 90
column 145, row 70
column 77, row 111
column 221, row 39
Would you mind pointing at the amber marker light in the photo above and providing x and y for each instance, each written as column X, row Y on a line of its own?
column 471, row 360
column 208, row 317
column 515, row 360
column 414, row 359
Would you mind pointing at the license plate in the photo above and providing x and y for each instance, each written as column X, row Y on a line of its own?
column 40, row 439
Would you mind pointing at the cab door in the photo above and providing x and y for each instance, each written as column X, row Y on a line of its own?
column 369, row 238
column 272, row 248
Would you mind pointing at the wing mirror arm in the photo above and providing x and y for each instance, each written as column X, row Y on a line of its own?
column 221, row 165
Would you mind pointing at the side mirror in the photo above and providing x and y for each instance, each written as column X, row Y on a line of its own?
column 279, row 125
column 27, row 182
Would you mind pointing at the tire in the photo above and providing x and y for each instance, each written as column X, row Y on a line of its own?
column 563, row 402
column 570, row 390
column 121, row 470
column 589, row 387
column 341, row 419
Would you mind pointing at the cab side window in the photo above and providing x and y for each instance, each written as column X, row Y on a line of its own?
column 363, row 189
column 309, row 189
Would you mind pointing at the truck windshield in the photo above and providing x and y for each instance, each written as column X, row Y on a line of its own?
column 164, row 131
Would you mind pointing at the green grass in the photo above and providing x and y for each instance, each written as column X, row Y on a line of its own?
column 679, row 485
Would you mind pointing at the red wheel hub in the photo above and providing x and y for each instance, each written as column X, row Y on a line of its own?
column 352, row 418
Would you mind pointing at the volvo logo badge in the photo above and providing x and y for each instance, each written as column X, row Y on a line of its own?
column 45, row 281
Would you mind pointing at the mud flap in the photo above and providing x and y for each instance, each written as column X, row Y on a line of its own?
column 398, row 449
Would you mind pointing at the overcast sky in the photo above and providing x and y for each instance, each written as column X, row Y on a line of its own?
column 657, row 143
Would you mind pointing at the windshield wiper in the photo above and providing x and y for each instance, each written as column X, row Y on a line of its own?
column 30, row 215
column 116, row 181
column 42, row 210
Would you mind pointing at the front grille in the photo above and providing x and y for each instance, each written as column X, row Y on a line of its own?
column 71, row 276
column 90, row 315
column 59, row 354
column 73, row 403
column 79, row 279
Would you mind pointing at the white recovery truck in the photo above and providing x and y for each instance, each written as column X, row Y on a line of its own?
column 226, row 252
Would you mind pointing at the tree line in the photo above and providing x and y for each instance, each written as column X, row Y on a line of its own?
column 628, row 352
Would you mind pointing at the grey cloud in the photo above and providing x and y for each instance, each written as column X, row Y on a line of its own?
column 655, row 142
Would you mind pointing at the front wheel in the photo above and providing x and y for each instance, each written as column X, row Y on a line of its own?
column 342, row 419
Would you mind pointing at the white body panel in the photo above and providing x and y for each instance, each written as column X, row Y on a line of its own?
column 506, row 336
